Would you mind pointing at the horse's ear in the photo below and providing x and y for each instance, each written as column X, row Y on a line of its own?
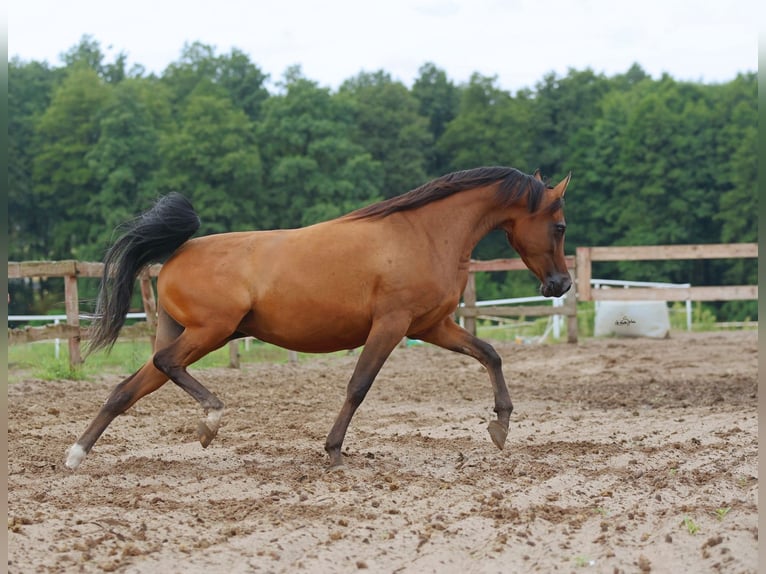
column 537, row 175
column 561, row 186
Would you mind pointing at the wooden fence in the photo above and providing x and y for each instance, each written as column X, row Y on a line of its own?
column 581, row 270
column 71, row 270
column 580, row 266
column 470, row 311
column 587, row 255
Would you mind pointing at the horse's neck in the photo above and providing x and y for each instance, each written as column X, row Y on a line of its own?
column 463, row 219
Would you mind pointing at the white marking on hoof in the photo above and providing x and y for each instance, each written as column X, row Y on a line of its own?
column 213, row 420
column 75, row 456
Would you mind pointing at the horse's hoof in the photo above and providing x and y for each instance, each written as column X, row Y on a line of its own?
column 75, row 455
column 498, row 433
column 336, row 461
column 204, row 434
column 339, row 467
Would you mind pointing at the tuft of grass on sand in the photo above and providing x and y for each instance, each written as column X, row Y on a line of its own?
column 40, row 361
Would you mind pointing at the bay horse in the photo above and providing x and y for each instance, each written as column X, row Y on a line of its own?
column 367, row 279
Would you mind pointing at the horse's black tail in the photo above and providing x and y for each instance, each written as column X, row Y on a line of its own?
column 149, row 238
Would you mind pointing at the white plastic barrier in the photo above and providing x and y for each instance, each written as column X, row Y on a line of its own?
column 634, row 318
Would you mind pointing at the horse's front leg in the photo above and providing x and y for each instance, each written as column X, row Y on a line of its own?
column 384, row 335
column 450, row 335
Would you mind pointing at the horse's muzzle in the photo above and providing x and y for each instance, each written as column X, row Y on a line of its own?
column 556, row 285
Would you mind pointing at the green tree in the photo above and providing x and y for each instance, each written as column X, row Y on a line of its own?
column 592, row 206
column 663, row 175
column 738, row 200
column 491, row 128
column 667, row 161
column 30, row 89
column 438, row 100
column 389, row 126
column 212, row 157
column 87, row 53
column 315, row 169
column 243, row 81
column 737, row 139
column 63, row 179
column 126, row 158
column 565, row 110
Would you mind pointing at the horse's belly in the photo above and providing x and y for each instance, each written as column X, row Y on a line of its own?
column 308, row 327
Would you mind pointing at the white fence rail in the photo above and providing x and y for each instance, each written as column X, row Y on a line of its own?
column 57, row 319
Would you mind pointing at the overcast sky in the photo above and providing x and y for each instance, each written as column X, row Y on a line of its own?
column 519, row 41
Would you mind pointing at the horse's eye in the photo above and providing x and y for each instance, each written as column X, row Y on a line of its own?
column 560, row 228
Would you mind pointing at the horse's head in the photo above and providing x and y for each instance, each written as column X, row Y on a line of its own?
column 538, row 237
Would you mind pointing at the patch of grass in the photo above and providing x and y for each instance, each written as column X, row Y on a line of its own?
column 41, row 361
column 515, row 331
column 742, row 481
column 519, row 331
column 126, row 357
column 53, row 369
column 703, row 319
column 691, row 526
column 722, row 512
column 586, row 318
column 582, row 561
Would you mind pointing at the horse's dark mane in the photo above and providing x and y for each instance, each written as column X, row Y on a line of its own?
column 514, row 185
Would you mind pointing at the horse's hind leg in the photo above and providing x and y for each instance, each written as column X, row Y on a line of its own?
column 450, row 335
column 123, row 396
column 144, row 381
column 189, row 347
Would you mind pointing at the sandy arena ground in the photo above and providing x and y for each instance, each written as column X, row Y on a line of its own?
column 623, row 456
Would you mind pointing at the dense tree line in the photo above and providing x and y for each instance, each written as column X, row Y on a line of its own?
column 654, row 161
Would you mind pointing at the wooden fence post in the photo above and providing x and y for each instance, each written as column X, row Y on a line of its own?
column 469, row 300
column 570, row 304
column 150, row 305
column 234, row 354
column 584, row 270
column 72, row 305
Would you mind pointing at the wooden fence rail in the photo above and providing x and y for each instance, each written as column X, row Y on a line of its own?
column 587, row 255
column 580, row 265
